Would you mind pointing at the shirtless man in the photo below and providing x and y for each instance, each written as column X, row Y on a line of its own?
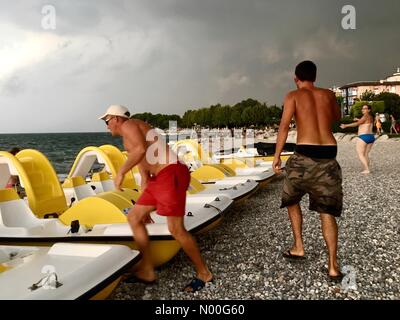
column 164, row 182
column 312, row 168
column 365, row 135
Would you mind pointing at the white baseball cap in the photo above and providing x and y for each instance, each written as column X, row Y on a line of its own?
column 116, row 110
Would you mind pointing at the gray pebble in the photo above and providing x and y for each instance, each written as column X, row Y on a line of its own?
column 244, row 251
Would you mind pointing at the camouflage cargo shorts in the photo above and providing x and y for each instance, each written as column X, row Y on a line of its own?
column 320, row 178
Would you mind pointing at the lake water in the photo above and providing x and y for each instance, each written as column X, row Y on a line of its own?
column 60, row 148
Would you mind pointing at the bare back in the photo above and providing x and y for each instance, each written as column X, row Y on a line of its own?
column 315, row 110
column 138, row 136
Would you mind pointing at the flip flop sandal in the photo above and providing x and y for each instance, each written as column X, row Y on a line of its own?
column 288, row 255
column 194, row 285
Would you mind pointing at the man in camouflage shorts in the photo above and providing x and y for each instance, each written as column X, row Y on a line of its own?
column 320, row 178
column 313, row 168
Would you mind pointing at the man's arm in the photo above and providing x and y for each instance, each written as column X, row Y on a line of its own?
column 135, row 144
column 145, row 176
column 289, row 108
column 134, row 157
column 355, row 124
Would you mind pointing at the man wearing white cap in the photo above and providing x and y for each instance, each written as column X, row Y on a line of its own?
column 164, row 182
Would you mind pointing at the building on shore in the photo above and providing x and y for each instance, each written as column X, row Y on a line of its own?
column 352, row 91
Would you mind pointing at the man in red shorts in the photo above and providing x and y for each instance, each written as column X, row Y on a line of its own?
column 164, row 182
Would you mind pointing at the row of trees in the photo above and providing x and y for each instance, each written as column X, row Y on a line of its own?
column 391, row 102
column 246, row 113
column 158, row 120
column 251, row 112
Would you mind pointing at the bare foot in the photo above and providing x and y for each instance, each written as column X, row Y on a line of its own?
column 335, row 274
column 297, row 251
column 148, row 276
column 335, row 271
column 365, row 172
column 143, row 272
column 206, row 277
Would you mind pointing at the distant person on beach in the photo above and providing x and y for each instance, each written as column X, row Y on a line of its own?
column 13, row 181
column 378, row 124
column 164, row 182
column 312, row 168
column 393, row 126
column 366, row 136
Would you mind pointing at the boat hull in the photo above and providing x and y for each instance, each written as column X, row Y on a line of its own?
column 161, row 251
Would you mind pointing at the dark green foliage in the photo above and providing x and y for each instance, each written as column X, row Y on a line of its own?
column 158, row 120
column 376, row 107
column 345, row 120
column 386, row 126
column 392, row 103
column 246, row 113
column 368, row 96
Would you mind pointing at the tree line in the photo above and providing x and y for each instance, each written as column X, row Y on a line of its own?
column 158, row 120
column 252, row 113
column 391, row 102
column 246, row 113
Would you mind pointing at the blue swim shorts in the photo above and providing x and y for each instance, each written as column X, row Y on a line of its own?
column 367, row 138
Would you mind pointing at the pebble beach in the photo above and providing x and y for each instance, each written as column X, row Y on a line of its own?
column 245, row 251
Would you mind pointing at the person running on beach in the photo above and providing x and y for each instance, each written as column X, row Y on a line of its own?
column 378, row 124
column 312, row 168
column 164, row 182
column 365, row 135
column 393, row 126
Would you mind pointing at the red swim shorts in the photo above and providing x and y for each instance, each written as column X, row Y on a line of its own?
column 167, row 190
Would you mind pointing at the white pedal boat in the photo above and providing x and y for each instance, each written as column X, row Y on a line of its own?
column 44, row 194
column 112, row 157
column 255, row 150
column 235, row 190
column 18, row 225
column 192, row 153
column 64, row 271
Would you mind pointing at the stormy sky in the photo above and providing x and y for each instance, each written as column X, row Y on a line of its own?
column 167, row 56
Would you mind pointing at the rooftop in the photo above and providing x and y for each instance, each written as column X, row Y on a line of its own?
column 388, row 81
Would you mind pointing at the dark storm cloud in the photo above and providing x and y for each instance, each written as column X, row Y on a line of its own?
column 166, row 56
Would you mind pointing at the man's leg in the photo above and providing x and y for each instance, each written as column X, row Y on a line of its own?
column 189, row 246
column 361, row 147
column 296, row 219
column 330, row 233
column 136, row 218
